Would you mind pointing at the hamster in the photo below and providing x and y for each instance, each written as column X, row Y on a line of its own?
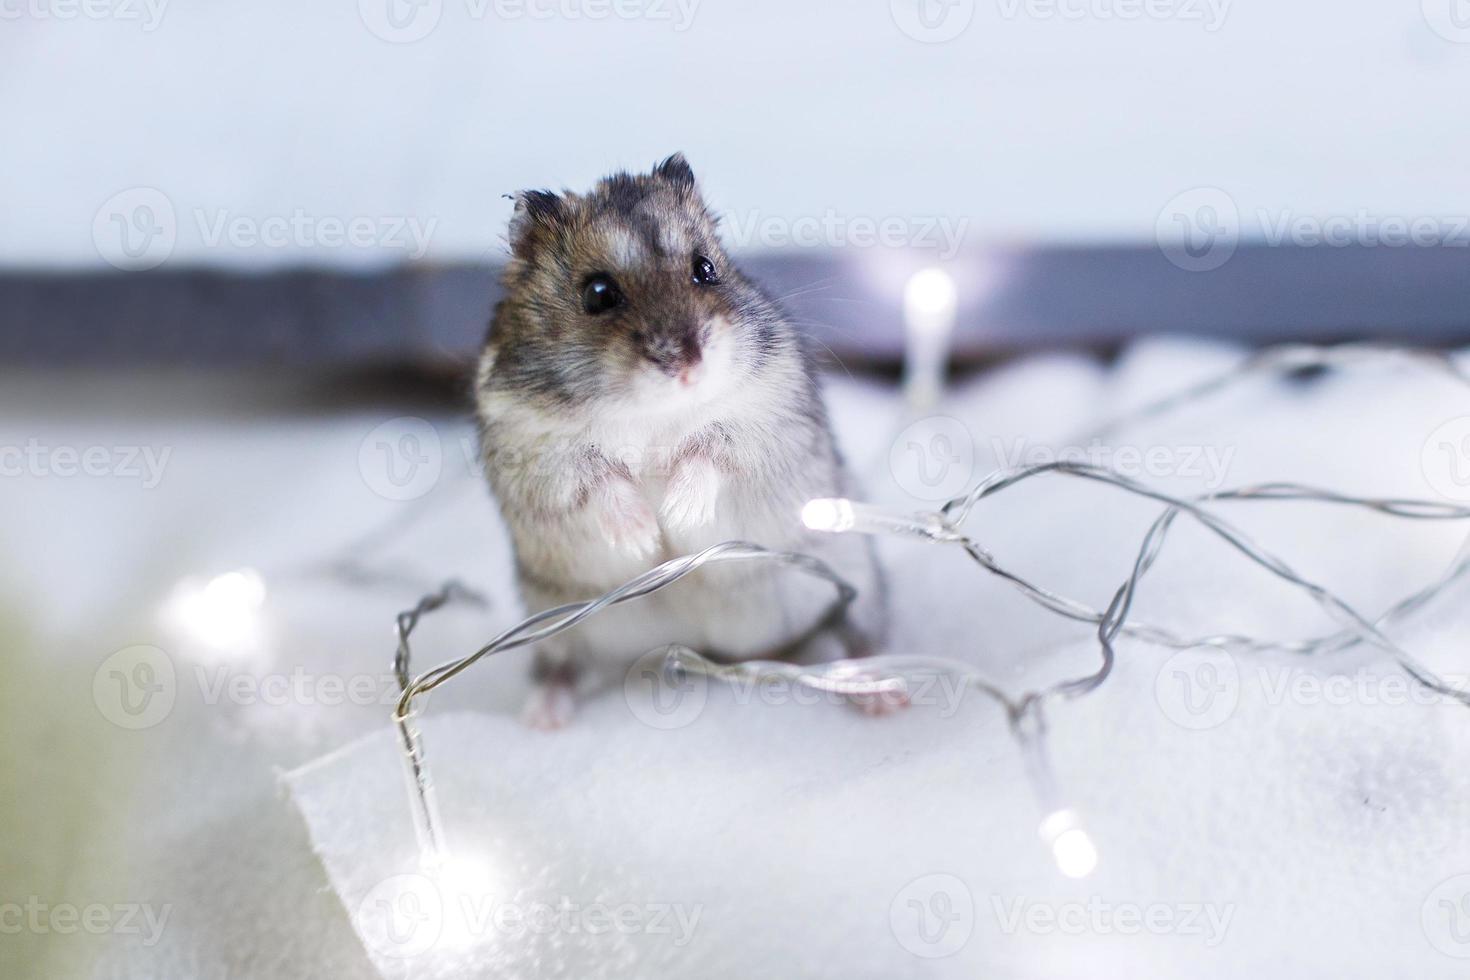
column 638, row 399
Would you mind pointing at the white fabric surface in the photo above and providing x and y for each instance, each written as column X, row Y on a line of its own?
column 1319, row 830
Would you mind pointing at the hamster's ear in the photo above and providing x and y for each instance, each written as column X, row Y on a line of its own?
column 535, row 212
column 676, row 170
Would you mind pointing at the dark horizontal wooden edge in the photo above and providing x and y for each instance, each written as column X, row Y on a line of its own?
column 1011, row 301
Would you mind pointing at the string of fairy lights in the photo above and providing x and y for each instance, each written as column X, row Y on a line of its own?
column 225, row 609
column 930, row 307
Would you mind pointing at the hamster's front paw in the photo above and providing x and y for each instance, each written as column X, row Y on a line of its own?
column 693, row 490
column 626, row 521
column 550, row 707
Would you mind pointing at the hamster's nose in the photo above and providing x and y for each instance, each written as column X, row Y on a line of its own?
column 678, row 355
column 691, row 366
column 690, row 374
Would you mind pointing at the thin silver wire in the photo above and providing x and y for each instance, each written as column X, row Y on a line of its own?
column 1114, row 620
column 546, row 624
column 1025, row 711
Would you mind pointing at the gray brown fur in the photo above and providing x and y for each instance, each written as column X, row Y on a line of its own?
column 694, row 400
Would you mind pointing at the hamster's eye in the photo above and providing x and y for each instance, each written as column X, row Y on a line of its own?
column 704, row 272
column 600, row 294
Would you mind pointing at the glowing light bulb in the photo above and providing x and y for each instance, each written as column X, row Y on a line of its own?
column 223, row 612
column 463, row 873
column 1075, row 853
column 930, row 293
column 438, row 912
column 465, row 883
column 243, row 589
column 836, row 515
column 1071, row 847
column 831, row 514
column 930, row 302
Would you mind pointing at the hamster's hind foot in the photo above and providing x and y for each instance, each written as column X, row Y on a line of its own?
column 551, row 706
column 881, row 703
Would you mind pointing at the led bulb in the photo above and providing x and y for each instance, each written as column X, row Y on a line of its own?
column 465, row 883
column 930, row 301
column 929, row 298
column 831, row 514
column 1071, row 847
column 836, row 515
column 222, row 613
